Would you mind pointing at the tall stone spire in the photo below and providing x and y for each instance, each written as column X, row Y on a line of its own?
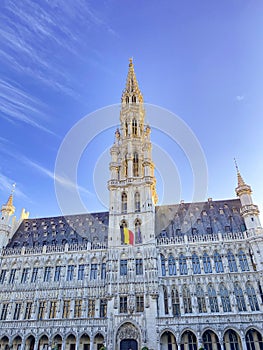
column 249, row 210
column 131, row 93
column 132, row 184
column 9, row 208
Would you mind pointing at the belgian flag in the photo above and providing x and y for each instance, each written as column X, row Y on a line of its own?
column 127, row 236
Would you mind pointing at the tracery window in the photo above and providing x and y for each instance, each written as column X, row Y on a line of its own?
column 241, row 305
column 252, row 297
column 134, row 127
column 254, row 340
column 135, row 165
column 103, row 271
column 139, row 303
column 207, row 263
column 123, row 267
column 200, row 295
column 123, row 304
column 138, row 233
column 187, row 300
column 224, row 295
column 196, row 264
column 93, row 271
column 175, row 302
column 138, row 266
column 124, row 203
column 218, row 262
column 163, row 269
column 231, row 261
column 165, row 300
column 243, row 261
column 137, row 202
column 182, row 265
column 171, row 265
column 212, row 299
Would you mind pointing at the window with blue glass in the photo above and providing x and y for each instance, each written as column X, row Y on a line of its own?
column 163, row 269
column 182, row 265
column 207, row 263
column 123, row 267
column 243, row 261
column 196, row 264
column 171, row 265
column 231, row 261
column 218, row 262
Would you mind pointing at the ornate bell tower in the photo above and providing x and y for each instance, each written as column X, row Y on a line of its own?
column 132, row 183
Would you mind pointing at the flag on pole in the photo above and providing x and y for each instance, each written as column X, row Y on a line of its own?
column 127, row 236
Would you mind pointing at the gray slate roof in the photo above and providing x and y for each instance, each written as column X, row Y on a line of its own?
column 171, row 221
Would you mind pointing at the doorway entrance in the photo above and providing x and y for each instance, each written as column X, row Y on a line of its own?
column 128, row 344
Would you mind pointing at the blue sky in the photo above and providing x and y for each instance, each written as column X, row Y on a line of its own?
column 62, row 60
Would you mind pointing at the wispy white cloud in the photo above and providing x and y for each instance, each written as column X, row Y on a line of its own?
column 240, row 97
column 17, row 105
column 62, row 180
column 43, row 33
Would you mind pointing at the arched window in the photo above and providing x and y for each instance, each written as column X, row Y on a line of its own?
column 125, row 166
column 137, row 202
column 196, row 264
column 171, row 265
column 232, row 340
column 127, row 99
column 182, row 265
column 224, row 298
column 231, row 262
column 207, row 263
column 241, row 305
column 175, row 302
column 124, row 202
column 243, row 261
column 218, row 262
column 254, row 340
column 210, row 341
column 135, row 164
column 212, row 299
column 189, row 341
column 187, row 300
column 163, row 265
column 138, row 233
column 252, row 298
column 165, row 300
column 207, row 340
column 200, row 295
column 126, row 129
column 134, row 127
column 134, row 98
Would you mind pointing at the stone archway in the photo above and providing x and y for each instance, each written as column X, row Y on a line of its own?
column 128, row 337
column 254, row 340
column 168, row 341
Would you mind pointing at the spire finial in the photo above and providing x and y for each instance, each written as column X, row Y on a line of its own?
column 131, row 93
column 240, row 181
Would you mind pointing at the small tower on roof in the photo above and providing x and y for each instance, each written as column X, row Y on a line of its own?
column 249, row 211
column 7, row 211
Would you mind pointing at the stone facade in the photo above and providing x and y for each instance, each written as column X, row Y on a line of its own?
column 187, row 275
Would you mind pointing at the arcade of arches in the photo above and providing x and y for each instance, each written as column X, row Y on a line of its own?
column 128, row 338
column 231, row 341
column 56, row 342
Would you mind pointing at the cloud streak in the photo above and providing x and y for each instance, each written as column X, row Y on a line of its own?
column 41, row 35
column 17, row 105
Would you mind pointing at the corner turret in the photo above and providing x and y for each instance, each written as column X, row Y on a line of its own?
column 249, row 211
column 8, row 222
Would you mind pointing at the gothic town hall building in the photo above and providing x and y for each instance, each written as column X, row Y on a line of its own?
column 137, row 276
